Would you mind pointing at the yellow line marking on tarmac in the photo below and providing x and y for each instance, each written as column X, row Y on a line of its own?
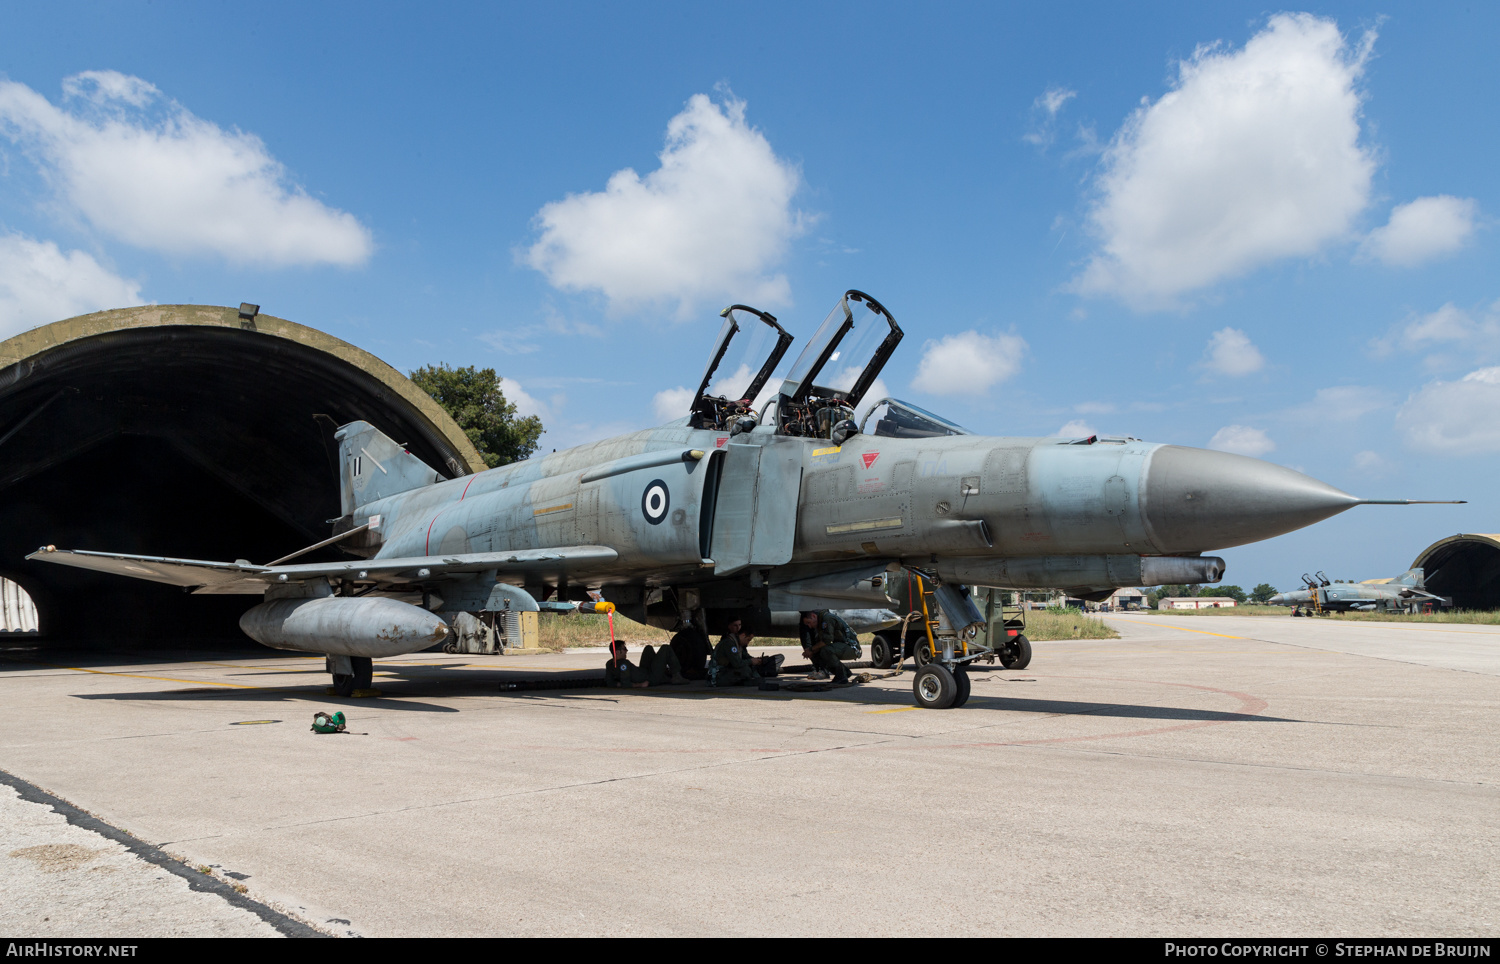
column 1203, row 631
column 167, row 679
column 899, row 709
column 1352, row 622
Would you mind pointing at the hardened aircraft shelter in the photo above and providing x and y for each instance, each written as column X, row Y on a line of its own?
column 1466, row 567
column 182, row 430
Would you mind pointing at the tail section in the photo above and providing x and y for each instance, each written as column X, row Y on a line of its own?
column 372, row 467
column 1412, row 577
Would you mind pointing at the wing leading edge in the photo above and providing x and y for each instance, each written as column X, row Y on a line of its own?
column 203, row 576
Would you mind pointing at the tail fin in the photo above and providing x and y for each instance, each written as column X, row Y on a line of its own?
column 1412, row 577
column 372, row 467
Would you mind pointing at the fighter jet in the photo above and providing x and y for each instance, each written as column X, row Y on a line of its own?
column 1403, row 592
column 747, row 509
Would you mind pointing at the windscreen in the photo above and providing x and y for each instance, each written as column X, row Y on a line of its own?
column 897, row 419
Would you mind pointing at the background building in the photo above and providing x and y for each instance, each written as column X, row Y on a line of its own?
column 1194, row 602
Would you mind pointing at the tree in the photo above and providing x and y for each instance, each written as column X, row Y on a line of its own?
column 473, row 397
column 1263, row 593
column 1233, row 592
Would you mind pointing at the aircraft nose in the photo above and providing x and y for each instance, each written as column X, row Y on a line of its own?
column 1198, row 499
column 1276, row 600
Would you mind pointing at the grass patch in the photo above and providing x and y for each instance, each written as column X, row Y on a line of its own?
column 1044, row 624
column 1247, row 610
column 592, row 629
column 1476, row 617
column 1482, row 618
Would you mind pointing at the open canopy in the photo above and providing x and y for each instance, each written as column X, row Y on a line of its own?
column 846, row 354
column 749, row 346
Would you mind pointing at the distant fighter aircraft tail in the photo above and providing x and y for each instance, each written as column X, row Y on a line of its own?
column 372, row 467
column 1411, row 577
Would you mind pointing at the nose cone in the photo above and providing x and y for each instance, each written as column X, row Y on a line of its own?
column 1277, row 600
column 1197, row 499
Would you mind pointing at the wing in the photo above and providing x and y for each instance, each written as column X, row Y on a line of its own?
column 188, row 573
column 243, row 577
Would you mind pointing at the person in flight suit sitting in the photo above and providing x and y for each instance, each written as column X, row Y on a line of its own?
column 658, row 667
column 736, row 665
column 819, row 648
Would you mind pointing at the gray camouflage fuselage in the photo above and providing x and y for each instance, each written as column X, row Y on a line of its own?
column 807, row 519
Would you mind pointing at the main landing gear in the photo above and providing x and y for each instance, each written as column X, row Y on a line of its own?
column 350, row 673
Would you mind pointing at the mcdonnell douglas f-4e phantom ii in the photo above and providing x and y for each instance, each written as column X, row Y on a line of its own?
column 730, row 511
column 1404, row 592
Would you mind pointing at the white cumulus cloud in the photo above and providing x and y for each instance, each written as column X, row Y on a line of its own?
column 40, row 283
column 712, row 222
column 968, row 362
column 1421, row 230
column 1230, row 352
column 1472, row 334
column 1342, row 403
column 670, row 404
column 1242, row 440
column 1045, row 109
column 525, row 404
column 1077, row 428
column 1455, row 418
column 143, row 169
column 1253, row 156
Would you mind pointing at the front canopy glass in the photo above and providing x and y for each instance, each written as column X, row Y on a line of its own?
column 747, row 350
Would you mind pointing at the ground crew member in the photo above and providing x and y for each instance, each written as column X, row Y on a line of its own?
column 658, row 667
column 839, row 634
column 820, row 651
column 736, row 665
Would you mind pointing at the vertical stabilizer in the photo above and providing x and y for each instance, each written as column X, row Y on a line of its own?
column 1412, row 577
column 372, row 467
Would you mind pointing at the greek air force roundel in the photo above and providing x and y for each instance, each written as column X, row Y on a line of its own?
column 655, row 502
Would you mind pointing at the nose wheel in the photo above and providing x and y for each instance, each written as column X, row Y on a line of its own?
column 936, row 687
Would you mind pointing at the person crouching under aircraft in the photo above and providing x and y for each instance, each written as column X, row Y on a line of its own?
column 819, row 649
column 658, row 668
column 736, row 665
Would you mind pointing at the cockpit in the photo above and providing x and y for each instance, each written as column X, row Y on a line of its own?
column 840, row 363
column 826, row 384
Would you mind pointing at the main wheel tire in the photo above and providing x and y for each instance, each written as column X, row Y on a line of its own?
column 964, row 684
column 1017, row 655
column 364, row 671
column 922, row 651
column 883, row 650
column 934, row 687
column 343, row 685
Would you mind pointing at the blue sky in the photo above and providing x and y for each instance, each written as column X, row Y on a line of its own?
column 1214, row 225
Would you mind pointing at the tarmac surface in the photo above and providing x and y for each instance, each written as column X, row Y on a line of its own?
column 1217, row 776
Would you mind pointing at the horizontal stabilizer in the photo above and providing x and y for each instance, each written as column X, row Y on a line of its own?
column 242, row 577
